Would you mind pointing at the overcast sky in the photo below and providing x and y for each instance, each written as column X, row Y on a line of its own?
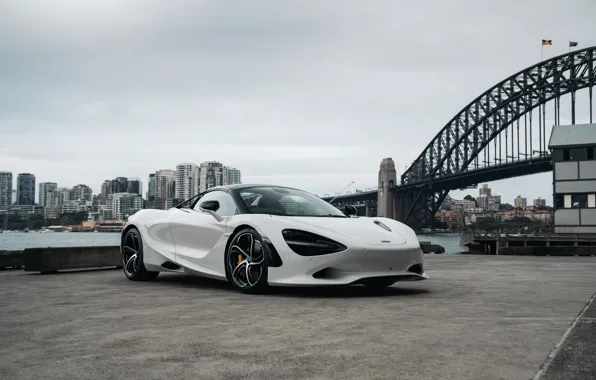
column 309, row 93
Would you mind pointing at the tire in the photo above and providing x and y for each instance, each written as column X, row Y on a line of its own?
column 132, row 257
column 378, row 284
column 246, row 262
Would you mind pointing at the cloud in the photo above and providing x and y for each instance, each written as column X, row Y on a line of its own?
column 309, row 93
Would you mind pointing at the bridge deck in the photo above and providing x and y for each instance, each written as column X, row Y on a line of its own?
column 479, row 317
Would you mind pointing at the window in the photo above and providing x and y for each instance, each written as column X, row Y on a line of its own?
column 578, row 154
column 590, row 153
column 591, row 200
column 227, row 206
column 559, row 201
column 567, row 201
column 579, row 200
column 288, row 202
column 566, row 156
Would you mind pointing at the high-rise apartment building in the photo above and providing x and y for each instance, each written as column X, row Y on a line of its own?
column 81, row 191
column 135, row 186
column 46, row 192
column 484, row 190
column 5, row 190
column 210, row 175
column 61, row 195
column 539, row 202
column 123, row 205
column 25, row 189
column 187, row 180
column 519, row 201
column 231, row 176
column 165, row 184
column 119, row 185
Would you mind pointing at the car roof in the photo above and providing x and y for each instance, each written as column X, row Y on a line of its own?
column 247, row 185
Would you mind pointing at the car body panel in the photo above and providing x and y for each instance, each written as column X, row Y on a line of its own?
column 197, row 241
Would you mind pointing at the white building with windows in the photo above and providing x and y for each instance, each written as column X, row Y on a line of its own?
column 165, row 184
column 187, row 180
column 123, row 205
column 231, row 176
column 574, row 178
column 46, row 192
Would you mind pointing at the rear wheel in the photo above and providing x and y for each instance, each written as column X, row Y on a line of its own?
column 132, row 257
column 246, row 262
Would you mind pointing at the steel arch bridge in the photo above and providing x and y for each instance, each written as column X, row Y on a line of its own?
column 498, row 135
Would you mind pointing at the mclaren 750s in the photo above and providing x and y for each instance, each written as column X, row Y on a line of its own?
column 256, row 236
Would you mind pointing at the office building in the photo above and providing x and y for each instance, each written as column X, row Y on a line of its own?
column 25, row 189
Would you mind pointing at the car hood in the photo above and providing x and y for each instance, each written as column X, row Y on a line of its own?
column 364, row 230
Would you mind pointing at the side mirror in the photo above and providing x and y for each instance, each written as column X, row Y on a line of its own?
column 350, row 211
column 210, row 205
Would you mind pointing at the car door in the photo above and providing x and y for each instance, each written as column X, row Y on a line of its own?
column 197, row 232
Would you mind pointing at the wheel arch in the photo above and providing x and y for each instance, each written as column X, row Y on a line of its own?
column 238, row 228
column 274, row 260
column 125, row 230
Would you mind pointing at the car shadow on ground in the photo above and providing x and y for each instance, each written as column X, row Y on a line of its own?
column 408, row 288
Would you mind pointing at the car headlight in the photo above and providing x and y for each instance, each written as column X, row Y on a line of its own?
column 309, row 244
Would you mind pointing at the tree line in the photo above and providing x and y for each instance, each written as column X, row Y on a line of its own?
column 35, row 221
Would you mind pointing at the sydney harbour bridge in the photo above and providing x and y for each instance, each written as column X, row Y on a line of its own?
column 501, row 134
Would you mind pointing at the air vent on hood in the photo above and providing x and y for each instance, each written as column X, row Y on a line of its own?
column 380, row 224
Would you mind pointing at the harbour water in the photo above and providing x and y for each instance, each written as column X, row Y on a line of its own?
column 21, row 240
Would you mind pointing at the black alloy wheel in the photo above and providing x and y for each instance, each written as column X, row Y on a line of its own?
column 246, row 262
column 132, row 257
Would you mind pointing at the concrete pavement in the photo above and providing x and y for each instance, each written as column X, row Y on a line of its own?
column 478, row 317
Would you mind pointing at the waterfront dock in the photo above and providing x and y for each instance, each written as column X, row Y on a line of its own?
column 533, row 245
column 478, row 317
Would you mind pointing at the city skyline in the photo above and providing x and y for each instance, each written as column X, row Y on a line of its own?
column 320, row 97
column 461, row 194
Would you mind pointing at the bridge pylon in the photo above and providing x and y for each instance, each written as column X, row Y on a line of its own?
column 386, row 205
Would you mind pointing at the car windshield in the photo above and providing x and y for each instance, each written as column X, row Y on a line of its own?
column 287, row 202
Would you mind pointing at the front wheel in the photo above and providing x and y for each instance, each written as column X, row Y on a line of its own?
column 132, row 257
column 246, row 262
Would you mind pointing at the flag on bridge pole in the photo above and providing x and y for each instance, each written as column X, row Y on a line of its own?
column 545, row 42
column 572, row 44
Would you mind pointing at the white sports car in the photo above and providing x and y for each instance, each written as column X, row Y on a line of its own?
column 260, row 235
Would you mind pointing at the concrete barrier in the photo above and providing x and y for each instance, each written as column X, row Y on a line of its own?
column 51, row 260
column 11, row 259
column 579, row 250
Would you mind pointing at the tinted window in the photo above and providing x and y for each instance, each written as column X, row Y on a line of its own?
column 559, row 201
column 558, row 154
column 590, row 153
column 227, row 206
column 579, row 200
column 578, row 154
column 288, row 202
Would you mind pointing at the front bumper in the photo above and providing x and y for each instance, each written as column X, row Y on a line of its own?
column 398, row 262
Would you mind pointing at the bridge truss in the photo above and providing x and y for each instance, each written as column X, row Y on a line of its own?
column 500, row 134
